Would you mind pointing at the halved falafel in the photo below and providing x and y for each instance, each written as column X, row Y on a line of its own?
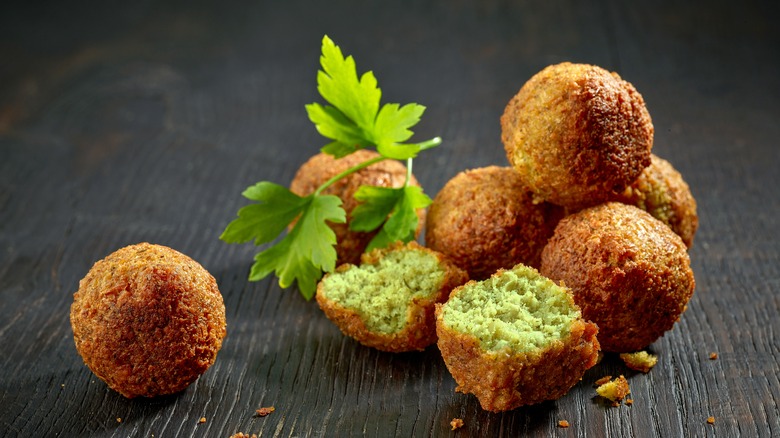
column 515, row 339
column 148, row 320
column 629, row 272
column 485, row 219
column 388, row 301
column 321, row 167
column 576, row 133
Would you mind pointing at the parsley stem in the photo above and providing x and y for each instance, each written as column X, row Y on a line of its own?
column 349, row 171
column 432, row 143
column 408, row 172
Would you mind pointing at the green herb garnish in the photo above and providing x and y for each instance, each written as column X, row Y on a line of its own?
column 353, row 120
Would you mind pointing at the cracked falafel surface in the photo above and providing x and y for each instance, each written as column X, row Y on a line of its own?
column 629, row 272
column 575, row 133
column 148, row 320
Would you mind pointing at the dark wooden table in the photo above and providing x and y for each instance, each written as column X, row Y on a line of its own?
column 123, row 122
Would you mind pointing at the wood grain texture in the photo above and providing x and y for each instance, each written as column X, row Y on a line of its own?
column 123, row 122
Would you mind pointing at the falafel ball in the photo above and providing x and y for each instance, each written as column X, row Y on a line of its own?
column 630, row 273
column 148, row 320
column 515, row 339
column 661, row 191
column 576, row 133
column 321, row 167
column 388, row 301
column 485, row 219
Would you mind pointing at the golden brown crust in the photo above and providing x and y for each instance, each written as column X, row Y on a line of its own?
column 420, row 329
column 485, row 219
column 502, row 380
column 661, row 191
column 322, row 167
column 148, row 320
column 576, row 133
column 629, row 272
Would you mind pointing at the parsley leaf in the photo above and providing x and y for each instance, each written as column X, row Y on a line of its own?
column 276, row 209
column 396, row 208
column 307, row 250
column 354, row 119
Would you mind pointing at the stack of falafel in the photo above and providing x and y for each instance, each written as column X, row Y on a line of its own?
column 585, row 204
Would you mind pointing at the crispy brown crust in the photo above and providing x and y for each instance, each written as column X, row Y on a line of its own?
column 321, row 167
column 629, row 272
column 661, row 191
column 148, row 320
column 576, row 133
column 420, row 330
column 502, row 380
column 485, row 219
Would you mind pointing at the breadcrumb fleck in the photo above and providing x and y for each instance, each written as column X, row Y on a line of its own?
column 614, row 390
column 202, row 420
column 563, row 423
column 456, row 423
column 639, row 361
column 265, row 411
column 243, row 435
column 711, row 420
column 629, row 401
column 602, row 380
column 118, row 419
column 713, row 356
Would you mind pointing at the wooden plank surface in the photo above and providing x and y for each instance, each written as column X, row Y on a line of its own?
column 144, row 121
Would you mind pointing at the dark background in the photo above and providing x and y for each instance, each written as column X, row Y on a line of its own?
column 123, row 122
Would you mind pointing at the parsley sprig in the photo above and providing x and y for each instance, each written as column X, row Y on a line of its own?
column 353, row 119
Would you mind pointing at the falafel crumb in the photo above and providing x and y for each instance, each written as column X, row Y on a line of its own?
column 629, row 401
column 264, row 411
column 602, row 380
column 202, row 420
column 456, row 423
column 118, row 419
column 711, row 420
column 563, row 423
column 614, row 390
column 639, row 361
column 243, row 435
column 713, row 356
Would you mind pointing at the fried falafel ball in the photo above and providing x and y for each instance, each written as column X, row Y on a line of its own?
column 148, row 320
column 661, row 191
column 576, row 133
column 515, row 339
column 630, row 273
column 321, row 167
column 485, row 219
column 388, row 301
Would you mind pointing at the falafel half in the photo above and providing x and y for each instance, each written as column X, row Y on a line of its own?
column 629, row 272
column 661, row 191
column 388, row 301
column 515, row 339
column 485, row 219
column 321, row 167
column 576, row 133
column 148, row 320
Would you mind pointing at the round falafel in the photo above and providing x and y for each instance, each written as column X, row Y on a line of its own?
column 576, row 133
column 321, row 167
column 629, row 272
column 388, row 301
column 661, row 191
column 515, row 339
column 148, row 320
column 485, row 219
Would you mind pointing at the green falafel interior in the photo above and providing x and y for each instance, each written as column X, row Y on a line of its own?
column 517, row 309
column 381, row 293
